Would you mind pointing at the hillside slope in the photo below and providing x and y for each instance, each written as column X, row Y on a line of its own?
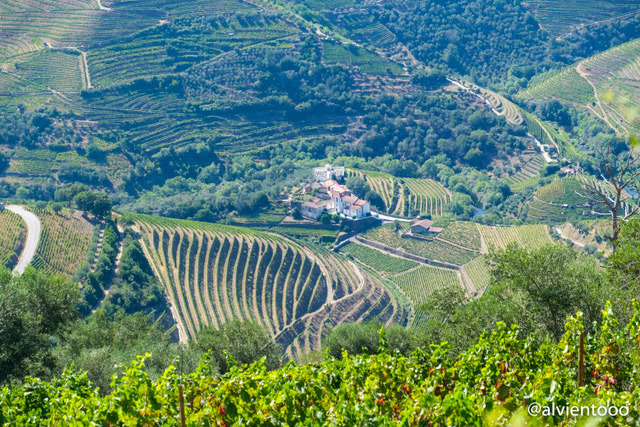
column 213, row 274
column 559, row 17
column 613, row 75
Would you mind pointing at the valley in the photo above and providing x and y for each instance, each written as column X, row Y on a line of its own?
column 177, row 108
column 322, row 198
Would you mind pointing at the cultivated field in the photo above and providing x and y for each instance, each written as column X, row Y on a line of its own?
column 435, row 249
column 478, row 272
column 565, row 198
column 12, row 235
column 531, row 236
column 377, row 260
column 612, row 74
column 567, row 85
column 407, row 196
column 46, row 70
column 367, row 62
column 64, row 242
column 526, row 175
column 419, row 282
column 503, row 106
column 425, row 196
column 558, row 17
column 380, row 182
column 215, row 273
column 464, row 234
column 568, row 190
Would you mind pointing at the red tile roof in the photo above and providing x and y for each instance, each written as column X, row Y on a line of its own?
column 426, row 223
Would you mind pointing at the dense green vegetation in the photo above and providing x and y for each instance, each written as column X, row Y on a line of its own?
column 553, row 294
column 171, row 117
column 210, row 115
column 180, row 138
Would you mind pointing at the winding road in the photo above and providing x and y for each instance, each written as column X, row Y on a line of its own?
column 33, row 237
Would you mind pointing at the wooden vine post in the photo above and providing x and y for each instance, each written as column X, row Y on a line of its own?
column 581, row 361
column 183, row 421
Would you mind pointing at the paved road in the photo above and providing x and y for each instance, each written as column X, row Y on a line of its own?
column 33, row 237
column 384, row 217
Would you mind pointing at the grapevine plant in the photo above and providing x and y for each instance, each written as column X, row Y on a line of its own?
column 489, row 384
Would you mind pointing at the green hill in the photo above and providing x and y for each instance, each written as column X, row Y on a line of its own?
column 594, row 83
column 214, row 273
column 559, row 17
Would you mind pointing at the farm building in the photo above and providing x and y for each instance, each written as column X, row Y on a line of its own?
column 328, row 172
column 1, row 206
column 314, row 208
column 419, row 226
column 310, row 187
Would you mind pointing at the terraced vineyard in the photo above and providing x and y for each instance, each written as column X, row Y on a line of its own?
column 380, row 182
column 64, row 242
column 564, row 191
column 363, row 28
column 464, row 234
column 426, row 196
column 537, row 129
column 214, row 273
column 419, row 282
column 550, row 192
column 163, row 51
column 526, row 175
column 478, row 272
column 546, row 211
column 328, row 4
column 567, row 85
column 503, row 106
column 12, row 235
column 368, row 62
column 565, row 198
column 437, row 250
column 71, row 27
column 376, row 259
column 614, row 73
column 530, row 236
column 599, row 205
column 560, row 16
column 48, row 69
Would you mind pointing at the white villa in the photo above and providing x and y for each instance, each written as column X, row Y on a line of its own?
column 327, row 172
column 335, row 198
column 345, row 202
